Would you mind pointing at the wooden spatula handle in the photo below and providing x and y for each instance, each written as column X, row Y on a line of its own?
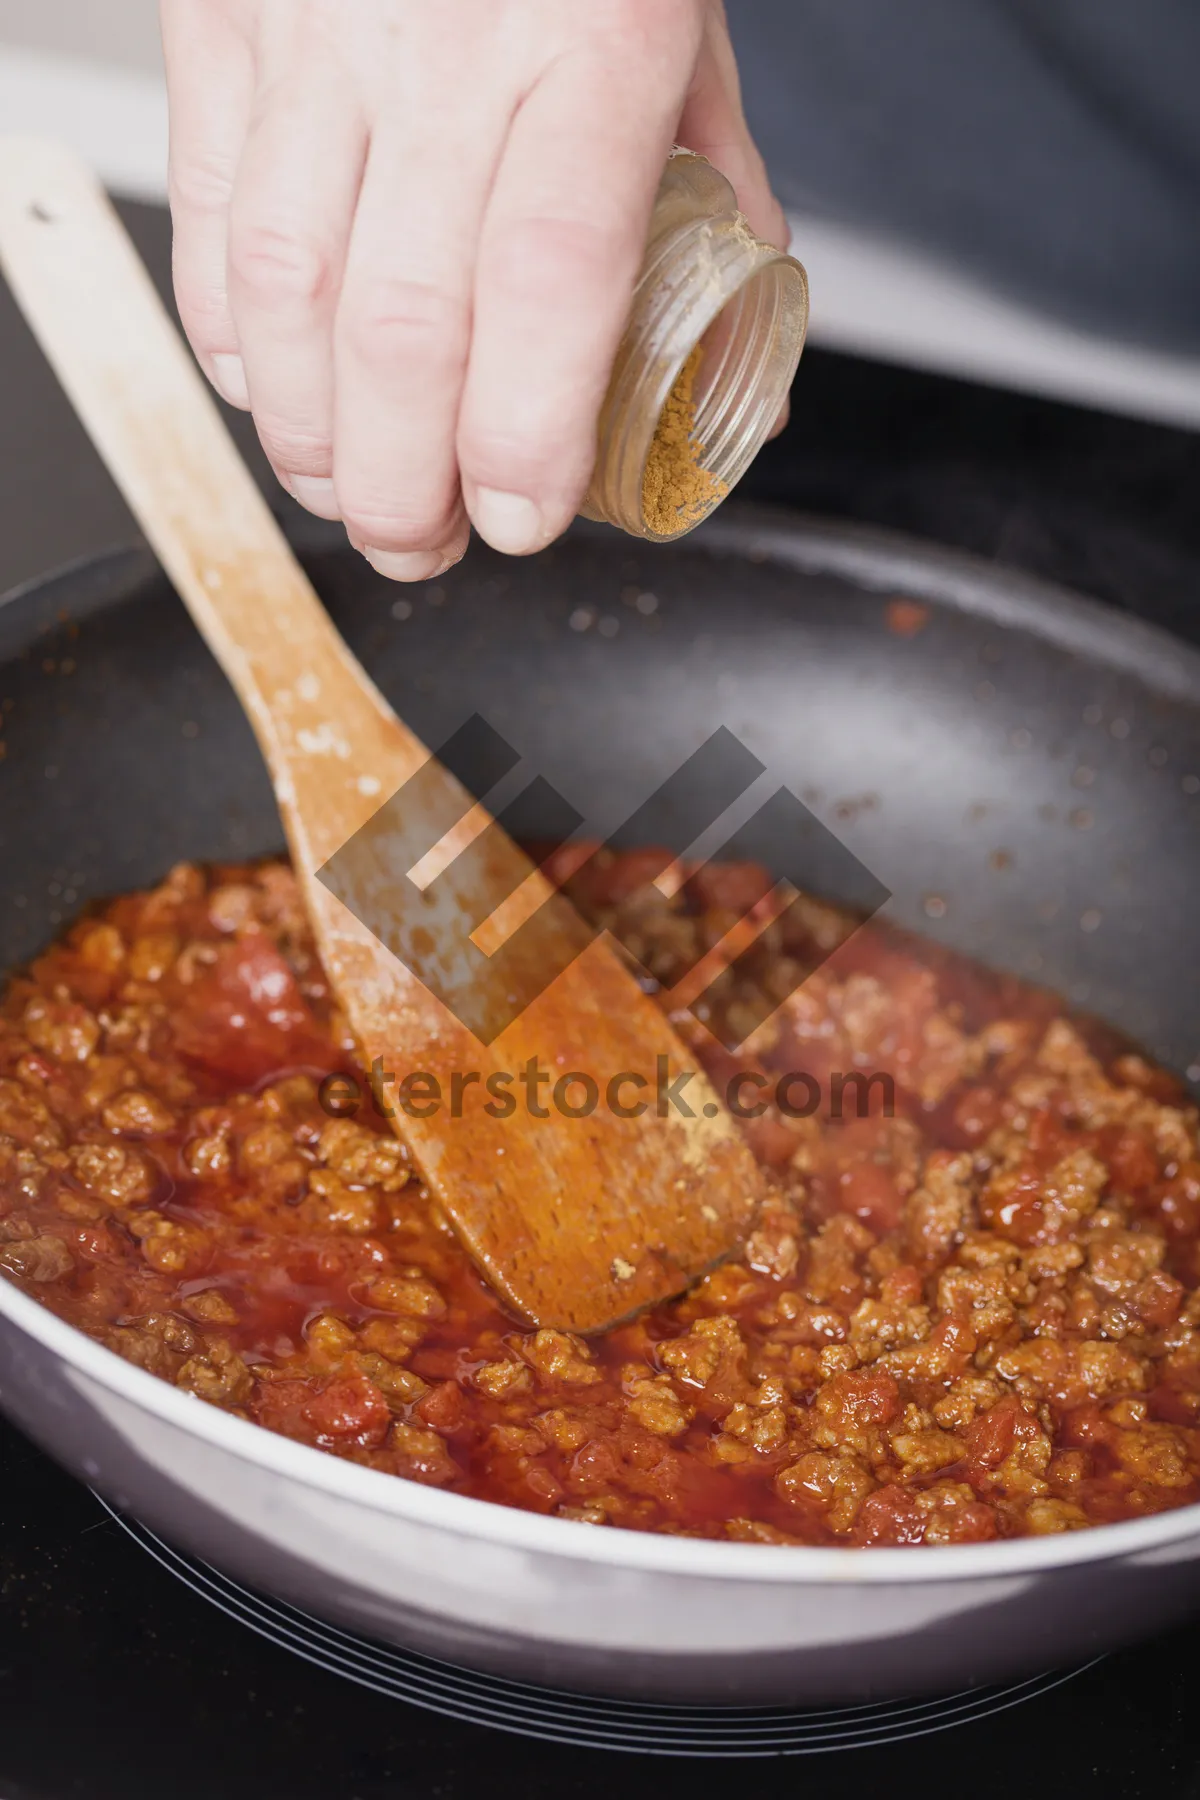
column 134, row 384
column 574, row 1223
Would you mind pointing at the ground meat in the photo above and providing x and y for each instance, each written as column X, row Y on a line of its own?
column 38, row 1259
column 970, row 1309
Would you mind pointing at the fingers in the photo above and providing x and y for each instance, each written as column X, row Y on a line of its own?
column 402, row 336
column 289, row 226
column 714, row 125
column 422, row 299
column 210, row 82
column 559, row 253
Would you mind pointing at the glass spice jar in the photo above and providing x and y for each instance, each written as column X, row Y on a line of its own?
column 709, row 353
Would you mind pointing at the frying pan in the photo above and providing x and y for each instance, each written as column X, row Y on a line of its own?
column 1018, row 768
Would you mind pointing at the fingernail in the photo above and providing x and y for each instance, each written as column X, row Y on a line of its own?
column 314, row 492
column 509, row 522
column 230, row 375
column 406, row 565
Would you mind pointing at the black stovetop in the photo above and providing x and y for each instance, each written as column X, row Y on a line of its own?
column 126, row 1670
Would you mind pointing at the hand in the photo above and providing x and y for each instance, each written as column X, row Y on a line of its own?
column 407, row 232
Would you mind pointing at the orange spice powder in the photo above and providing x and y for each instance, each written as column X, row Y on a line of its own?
column 676, row 490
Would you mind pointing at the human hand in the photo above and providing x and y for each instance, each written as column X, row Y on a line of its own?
column 407, row 233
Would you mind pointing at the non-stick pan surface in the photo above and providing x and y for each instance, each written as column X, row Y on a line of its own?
column 1019, row 768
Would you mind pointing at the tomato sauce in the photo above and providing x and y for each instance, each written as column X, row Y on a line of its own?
column 969, row 1310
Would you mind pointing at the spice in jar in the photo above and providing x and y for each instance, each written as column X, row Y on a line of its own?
column 677, row 490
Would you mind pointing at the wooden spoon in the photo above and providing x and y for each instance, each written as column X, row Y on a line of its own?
column 576, row 1221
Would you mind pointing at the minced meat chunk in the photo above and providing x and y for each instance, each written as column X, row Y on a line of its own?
column 970, row 1308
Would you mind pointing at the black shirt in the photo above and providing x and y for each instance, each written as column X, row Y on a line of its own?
column 1049, row 148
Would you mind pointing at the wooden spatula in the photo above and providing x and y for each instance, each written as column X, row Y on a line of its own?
column 577, row 1221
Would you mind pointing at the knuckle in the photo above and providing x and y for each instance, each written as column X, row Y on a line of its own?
column 387, row 528
column 538, row 464
column 526, row 458
column 204, row 312
column 628, row 34
column 292, row 447
column 390, row 320
column 278, row 266
column 201, row 183
column 552, row 262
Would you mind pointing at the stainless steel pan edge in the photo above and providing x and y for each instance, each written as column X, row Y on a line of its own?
column 571, row 1605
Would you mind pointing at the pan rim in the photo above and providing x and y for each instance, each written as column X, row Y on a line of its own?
column 897, row 562
column 870, row 557
column 570, row 1540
